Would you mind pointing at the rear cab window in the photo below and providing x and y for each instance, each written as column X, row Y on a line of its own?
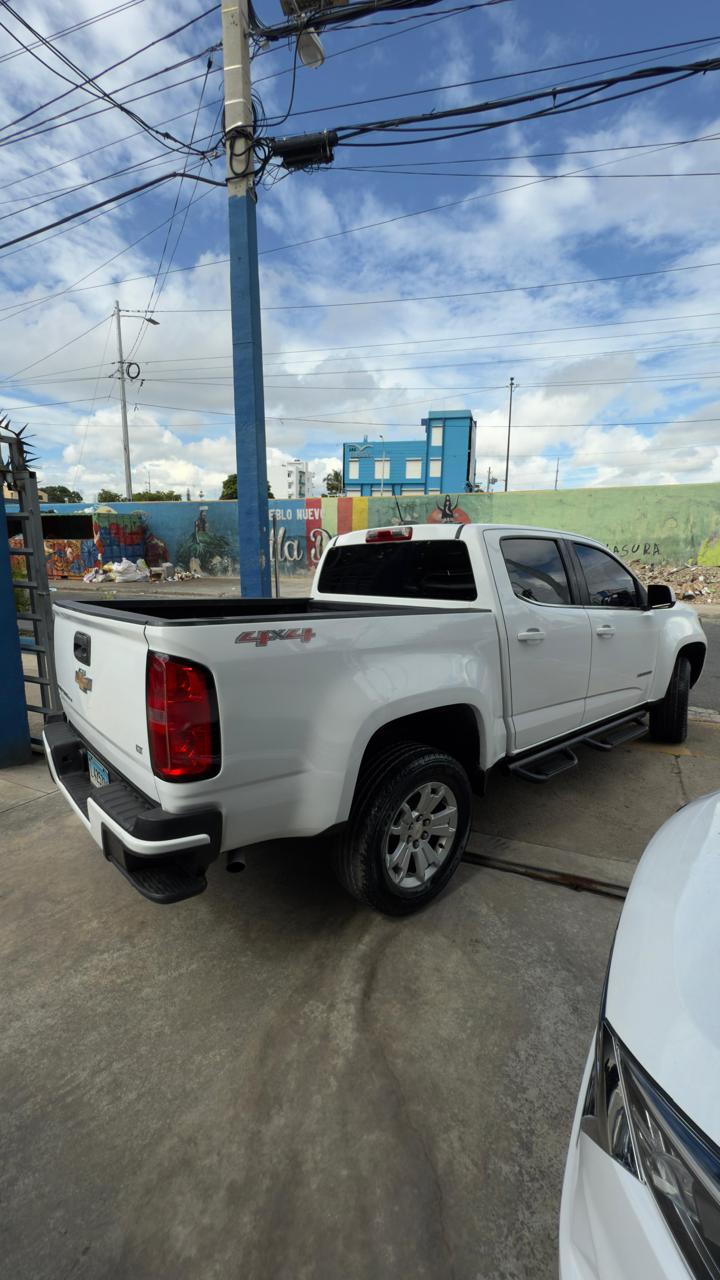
column 610, row 585
column 536, row 570
column 423, row 569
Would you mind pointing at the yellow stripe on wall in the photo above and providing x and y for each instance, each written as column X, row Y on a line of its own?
column 360, row 513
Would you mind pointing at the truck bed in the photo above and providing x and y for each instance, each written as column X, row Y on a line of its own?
column 180, row 611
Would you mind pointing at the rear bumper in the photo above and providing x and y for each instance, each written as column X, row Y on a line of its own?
column 163, row 855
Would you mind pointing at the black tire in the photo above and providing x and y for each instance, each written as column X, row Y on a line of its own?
column 365, row 850
column 669, row 718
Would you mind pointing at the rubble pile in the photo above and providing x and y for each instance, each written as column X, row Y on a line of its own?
column 688, row 581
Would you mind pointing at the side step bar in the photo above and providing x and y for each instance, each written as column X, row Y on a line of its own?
column 617, row 734
column 546, row 765
column 541, row 766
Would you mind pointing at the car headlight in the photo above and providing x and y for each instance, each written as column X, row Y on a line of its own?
column 633, row 1121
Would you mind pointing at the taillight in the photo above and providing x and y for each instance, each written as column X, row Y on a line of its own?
column 182, row 719
column 397, row 533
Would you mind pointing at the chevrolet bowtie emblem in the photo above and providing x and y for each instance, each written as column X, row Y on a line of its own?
column 83, row 680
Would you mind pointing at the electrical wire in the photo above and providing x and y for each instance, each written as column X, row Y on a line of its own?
column 119, row 196
column 90, row 83
column 41, row 359
column 49, row 125
column 699, row 42
column 157, row 284
column 60, row 192
column 78, row 26
column 19, row 309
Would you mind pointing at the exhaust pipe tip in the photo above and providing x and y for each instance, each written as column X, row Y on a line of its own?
column 235, row 862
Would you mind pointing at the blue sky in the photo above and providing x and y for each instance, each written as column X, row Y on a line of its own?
column 618, row 379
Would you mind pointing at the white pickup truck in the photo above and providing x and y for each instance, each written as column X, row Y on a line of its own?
column 425, row 657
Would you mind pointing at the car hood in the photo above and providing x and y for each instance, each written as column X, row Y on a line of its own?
column 663, row 997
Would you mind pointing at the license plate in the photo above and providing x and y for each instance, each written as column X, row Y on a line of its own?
column 99, row 775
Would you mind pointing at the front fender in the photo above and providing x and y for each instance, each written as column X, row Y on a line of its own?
column 681, row 627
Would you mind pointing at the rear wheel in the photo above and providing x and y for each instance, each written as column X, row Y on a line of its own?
column 669, row 718
column 407, row 831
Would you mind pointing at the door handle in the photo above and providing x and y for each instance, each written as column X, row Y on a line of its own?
column 605, row 630
column 533, row 633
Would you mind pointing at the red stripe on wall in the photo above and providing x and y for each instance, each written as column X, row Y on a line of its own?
column 344, row 515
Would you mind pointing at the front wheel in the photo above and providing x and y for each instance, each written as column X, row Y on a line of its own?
column 407, row 831
column 669, row 718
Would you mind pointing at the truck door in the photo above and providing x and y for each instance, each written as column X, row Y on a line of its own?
column 548, row 634
column 624, row 635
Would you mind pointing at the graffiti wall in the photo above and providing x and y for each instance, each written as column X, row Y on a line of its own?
column 659, row 524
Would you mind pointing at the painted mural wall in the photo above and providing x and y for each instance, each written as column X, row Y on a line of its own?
column 660, row 524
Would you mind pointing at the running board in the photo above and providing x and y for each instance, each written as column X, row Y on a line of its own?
column 541, row 766
column 616, row 735
column 545, row 765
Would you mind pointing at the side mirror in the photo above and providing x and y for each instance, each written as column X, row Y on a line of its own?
column 660, row 596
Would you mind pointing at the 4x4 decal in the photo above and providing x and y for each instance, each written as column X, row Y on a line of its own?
column 263, row 638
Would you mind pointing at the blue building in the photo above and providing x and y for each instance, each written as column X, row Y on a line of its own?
column 443, row 462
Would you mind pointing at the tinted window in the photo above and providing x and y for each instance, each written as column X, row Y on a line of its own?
column 608, row 582
column 423, row 570
column 535, row 570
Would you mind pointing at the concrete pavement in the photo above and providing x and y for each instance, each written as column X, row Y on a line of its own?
column 272, row 1083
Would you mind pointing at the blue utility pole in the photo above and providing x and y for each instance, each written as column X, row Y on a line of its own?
column 14, row 730
column 249, row 401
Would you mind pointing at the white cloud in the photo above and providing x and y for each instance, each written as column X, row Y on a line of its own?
column 560, row 230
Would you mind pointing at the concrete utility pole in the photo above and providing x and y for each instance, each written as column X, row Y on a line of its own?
column 507, row 456
column 123, row 406
column 254, row 545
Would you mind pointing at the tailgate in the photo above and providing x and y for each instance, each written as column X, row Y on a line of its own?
column 100, row 664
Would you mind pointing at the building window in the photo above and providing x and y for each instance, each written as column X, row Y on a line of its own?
column 413, row 469
column 436, row 437
column 354, row 469
column 436, row 466
column 382, row 468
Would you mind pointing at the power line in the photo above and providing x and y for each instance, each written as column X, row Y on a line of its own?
column 90, row 83
column 699, row 42
column 19, row 309
column 92, row 151
column 58, row 193
column 158, row 285
column 77, row 26
column 40, row 360
column 121, row 195
column 543, row 155
column 349, row 135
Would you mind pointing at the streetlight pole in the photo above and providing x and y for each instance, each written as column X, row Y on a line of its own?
column 123, row 406
column 249, row 403
column 507, row 456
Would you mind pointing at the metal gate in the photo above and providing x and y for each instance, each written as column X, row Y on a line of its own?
column 35, row 623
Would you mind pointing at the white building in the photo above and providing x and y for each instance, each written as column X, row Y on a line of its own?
column 290, row 479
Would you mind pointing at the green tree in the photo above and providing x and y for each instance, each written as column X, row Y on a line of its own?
column 229, row 488
column 156, row 495
column 61, row 493
column 108, row 495
column 334, row 483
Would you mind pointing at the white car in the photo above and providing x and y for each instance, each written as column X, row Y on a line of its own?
column 641, row 1196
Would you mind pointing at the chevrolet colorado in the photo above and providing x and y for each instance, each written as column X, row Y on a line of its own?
column 424, row 657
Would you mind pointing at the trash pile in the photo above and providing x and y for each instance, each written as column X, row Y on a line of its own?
column 121, row 571
column 139, row 571
column 688, row 581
